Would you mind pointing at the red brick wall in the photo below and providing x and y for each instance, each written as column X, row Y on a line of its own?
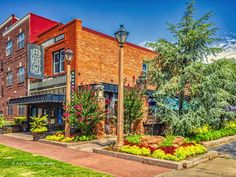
column 12, row 63
column 96, row 55
column 99, row 55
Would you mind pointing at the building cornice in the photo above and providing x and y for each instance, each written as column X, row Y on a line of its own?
column 8, row 20
column 18, row 23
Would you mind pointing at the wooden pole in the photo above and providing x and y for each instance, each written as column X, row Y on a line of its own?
column 120, row 121
column 68, row 98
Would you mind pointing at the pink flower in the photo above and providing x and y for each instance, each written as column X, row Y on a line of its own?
column 66, row 115
column 79, row 106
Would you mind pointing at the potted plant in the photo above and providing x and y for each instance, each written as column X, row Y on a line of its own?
column 1, row 125
column 20, row 123
column 38, row 126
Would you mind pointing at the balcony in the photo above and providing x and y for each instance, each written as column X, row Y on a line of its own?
column 48, row 83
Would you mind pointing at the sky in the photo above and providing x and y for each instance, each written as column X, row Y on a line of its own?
column 144, row 19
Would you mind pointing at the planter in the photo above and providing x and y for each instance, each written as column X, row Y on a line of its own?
column 37, row 136
column 188, row 163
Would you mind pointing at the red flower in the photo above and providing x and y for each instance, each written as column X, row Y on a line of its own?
column 79, row 106
column 66, row 115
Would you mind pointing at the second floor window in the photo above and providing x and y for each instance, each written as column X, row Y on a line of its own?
column 9, row 48
column 144, row 68
column 21, row 40
column 9, row 78
column 21, row 75
column 58, row 61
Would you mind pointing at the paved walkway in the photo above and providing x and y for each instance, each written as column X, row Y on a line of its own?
column 102, row 163
column 219, row 167
column 229, row 148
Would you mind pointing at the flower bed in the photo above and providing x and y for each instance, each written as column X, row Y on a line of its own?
column 59, row 136
column 167, row 149
column 214, row 134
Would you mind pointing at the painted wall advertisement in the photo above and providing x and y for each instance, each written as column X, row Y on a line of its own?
column 35, row 65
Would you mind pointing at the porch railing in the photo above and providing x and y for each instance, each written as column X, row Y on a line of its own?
column 49, row 82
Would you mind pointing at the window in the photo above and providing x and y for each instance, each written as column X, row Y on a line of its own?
column 58, row 61
column 9, row 78
column 21, row 110
column 21, row 75
column 9, row 48
column 21, row 40
column 145, row 68
column 9, row 110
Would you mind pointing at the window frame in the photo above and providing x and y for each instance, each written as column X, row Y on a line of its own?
column 9, row 111
column 9, row 48
column 21, row 41
column 60, row 62
column 9, row 80
column 21, row 76
column 144, row 71
column 21, row 110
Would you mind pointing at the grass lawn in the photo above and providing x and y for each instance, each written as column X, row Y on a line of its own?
column 16, row 163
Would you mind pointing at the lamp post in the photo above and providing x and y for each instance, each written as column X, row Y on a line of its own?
column 121, row 36
column 68, row 57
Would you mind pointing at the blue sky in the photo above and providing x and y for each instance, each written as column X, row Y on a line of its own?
column 144, row 19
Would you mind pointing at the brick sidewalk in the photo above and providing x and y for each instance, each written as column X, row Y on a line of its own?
column 102, row 163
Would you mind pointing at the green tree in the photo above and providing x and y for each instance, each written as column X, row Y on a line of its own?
column 133, row 105
column 84, row 110
column 171, row 73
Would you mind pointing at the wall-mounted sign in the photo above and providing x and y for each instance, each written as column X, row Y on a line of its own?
column 53, row 40
column 35, row 64
column 72, row 81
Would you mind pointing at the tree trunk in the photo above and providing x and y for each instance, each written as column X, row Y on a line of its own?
column 67, row 128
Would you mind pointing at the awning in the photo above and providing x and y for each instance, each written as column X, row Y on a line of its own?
column 46, row 98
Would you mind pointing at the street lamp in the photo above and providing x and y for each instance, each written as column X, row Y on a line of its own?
column 121, row 36
column 68, row 57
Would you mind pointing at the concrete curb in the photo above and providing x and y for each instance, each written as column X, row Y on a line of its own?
column 159, row 162
column 63, row 144
column 218, row 142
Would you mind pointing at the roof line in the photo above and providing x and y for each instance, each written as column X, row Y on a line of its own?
column 16, row 24
column 114, row 39
column 7, row 20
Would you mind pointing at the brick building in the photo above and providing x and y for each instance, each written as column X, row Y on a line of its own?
column 95, row 62
column 14, row 35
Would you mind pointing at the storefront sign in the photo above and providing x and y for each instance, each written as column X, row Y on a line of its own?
column 35, row 65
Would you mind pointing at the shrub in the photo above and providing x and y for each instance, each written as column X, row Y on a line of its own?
column 168, row 149
column 231, row 124
column 134, row 139
column 184, row 152
column 168, row 141
column 84, row 111
column 58, row 137
column 20, row 120
column 38, row 124
column 1, row 122
column 160, row 154
column 133, row 104
column 68, row 139
column 204, row 129
column 215, row 134
column 86, row 138
column 136, row 150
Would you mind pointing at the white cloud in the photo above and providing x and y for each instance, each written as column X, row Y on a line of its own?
column 228, row 44
column 143, row 44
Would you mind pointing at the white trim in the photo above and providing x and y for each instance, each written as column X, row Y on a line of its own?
column 6, row 21
column 16, row 25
